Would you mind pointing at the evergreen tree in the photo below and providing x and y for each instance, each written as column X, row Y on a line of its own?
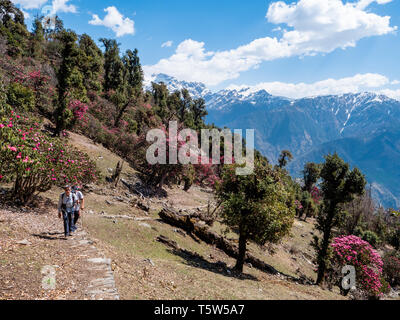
column 185, row 105
column 70, row 80
column 339, row 186
column 133, row 71
column 53, row 27
column 12, row 27
column 90, row 63
column 113, row 66
column 284, row 158
column 37, row 41
column 160, row 97
column 131, row 90
column 199, row 111
column 311, row 174
column 259, row 206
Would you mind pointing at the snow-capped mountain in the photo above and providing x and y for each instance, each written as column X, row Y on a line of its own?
column 196, row 89
column 364, row 128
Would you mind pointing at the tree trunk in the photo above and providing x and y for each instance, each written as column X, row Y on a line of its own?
column 242, row 253
column 323, row 256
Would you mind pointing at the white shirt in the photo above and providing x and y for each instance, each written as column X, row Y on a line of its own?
column 80, row 197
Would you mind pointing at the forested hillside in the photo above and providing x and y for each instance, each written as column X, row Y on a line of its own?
column 56, row 85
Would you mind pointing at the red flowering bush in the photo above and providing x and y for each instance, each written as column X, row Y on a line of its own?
column 37, row 83
column 351, row 250
column 35, row 162
column 316, row 195
column 79, row 110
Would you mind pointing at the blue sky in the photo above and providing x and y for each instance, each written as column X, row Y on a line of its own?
column 293, row 48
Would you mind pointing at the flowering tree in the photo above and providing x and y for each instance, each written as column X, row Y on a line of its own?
column 203, row 172
column 35, row 162
column 351, row 250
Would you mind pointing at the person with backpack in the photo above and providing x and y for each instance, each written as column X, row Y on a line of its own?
column 80, row 205
column 66, row 209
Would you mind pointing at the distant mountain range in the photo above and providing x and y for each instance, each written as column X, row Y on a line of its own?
column 364, row 129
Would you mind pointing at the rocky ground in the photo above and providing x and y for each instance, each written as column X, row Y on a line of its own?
column 116, row 254
column 34, row 251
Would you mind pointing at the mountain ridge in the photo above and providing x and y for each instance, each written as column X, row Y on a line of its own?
column 361, row 127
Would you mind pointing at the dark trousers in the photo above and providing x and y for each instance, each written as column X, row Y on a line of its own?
column 77, row 215
column 69, row 225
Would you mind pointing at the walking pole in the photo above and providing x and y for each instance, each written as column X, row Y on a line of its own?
column 81, row 219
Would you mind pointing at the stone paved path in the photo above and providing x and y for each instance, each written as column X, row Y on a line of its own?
column 30, row 241
column 102, row 283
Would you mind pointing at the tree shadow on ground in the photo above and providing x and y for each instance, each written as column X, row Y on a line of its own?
column 195, row 260
column 52, row 236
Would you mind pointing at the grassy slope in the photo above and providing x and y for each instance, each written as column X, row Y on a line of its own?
column 131, row 243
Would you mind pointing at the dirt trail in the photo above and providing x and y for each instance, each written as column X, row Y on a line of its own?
column 33, row 249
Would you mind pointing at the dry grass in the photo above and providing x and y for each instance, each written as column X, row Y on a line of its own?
column 130, row 244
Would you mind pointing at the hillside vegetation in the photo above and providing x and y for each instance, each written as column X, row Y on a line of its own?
column 72, row 113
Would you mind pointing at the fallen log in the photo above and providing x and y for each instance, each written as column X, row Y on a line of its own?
column 193, row 226
column 126, row 218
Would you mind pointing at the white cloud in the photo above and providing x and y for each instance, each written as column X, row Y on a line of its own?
column 358, row 83
column 315, row 27
column 62, row 6
column 394, row 94
column 29, row 4
column 115, row 21
column 56, row 5
column 167, row 44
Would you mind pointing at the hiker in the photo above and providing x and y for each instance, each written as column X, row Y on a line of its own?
column 80, row 205
column 66, row 207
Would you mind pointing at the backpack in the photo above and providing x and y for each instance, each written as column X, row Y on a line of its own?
column 74, row 199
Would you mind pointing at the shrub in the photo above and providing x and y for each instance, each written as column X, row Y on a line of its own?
column 79, row 111
column 371, row 237
column 351, row 250
column 394, row 238
column 391, row 268
column 35, row 162
column 20, row 97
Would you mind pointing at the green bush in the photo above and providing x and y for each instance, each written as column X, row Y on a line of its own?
column 371, row 237
column 20, row 97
